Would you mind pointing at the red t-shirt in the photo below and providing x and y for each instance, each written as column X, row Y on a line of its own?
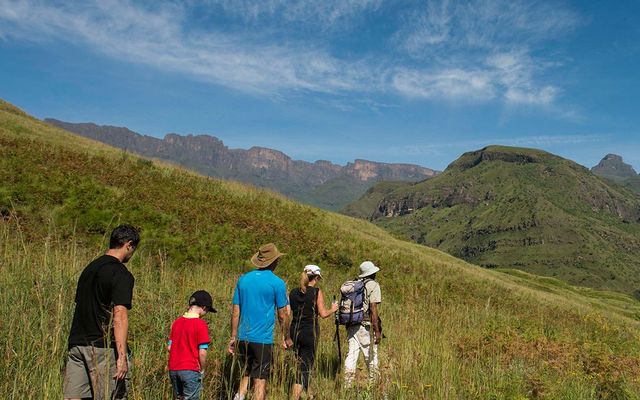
column 187, row 335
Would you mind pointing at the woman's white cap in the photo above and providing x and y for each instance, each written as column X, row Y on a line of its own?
column 312, row 270
column 367, row 268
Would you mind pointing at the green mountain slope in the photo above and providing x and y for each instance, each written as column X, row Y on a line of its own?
column 453, row 330
column 366, row 205
column 526, row 209
column 633, row 183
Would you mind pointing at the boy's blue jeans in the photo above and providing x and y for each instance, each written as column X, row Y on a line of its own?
column 186, row 384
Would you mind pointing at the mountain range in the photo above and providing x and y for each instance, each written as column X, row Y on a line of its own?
column 321, row 183
column 505, row 207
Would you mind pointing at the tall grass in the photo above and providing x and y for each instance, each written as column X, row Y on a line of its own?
column 435, row 347
column 454, row 331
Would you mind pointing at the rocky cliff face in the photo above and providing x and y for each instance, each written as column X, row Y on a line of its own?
column 365, row 171
column 320, row 183
column 612, row 166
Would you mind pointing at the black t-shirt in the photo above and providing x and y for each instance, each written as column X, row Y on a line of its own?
column 305, row 316
column 103, row 284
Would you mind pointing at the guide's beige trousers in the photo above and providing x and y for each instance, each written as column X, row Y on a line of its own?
column 360, row 339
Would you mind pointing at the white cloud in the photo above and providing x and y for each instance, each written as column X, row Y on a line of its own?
column 451, row 83
column 492, row 38
column 427, row 28
column 324, row 13
column 157, row 37
column 476, row 51
column 509, row 75
column 514, row 71
column 541, row 96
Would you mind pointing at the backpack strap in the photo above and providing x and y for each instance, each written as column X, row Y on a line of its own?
column 366, row 280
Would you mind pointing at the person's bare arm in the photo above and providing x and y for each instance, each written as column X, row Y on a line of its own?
column 120, row 332
column 284, row 320
column 373, row 312
column 235, row 320
column 322, row 310
column 202, row 358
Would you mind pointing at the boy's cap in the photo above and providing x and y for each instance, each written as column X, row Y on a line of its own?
column 202, row 298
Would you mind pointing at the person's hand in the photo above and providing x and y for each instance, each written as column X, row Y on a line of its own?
column 121, row 368
column 378, row 338
column 334, row 306
column 288, row 343
column 232, row 346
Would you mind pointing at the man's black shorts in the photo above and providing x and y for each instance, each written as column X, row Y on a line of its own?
column 256, row 358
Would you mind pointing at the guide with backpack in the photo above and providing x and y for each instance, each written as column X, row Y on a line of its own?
column 358, row 312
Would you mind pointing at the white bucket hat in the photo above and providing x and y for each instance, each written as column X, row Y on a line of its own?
column 313, row 270
column 367, row 268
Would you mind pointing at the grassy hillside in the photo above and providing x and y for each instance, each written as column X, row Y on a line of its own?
column 525, row 209
column 633, row 183
column 335, row 193
column 454, row 331
column 371, row 198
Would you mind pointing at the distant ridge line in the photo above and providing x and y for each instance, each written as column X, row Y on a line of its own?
column 320, row 183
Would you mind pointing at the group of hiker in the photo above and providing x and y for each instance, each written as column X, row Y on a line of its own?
column 98, row 362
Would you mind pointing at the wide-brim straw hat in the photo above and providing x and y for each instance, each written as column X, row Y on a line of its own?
column 266, row 255
column 367, row 268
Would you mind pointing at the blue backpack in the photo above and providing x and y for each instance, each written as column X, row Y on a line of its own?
column 351, row 309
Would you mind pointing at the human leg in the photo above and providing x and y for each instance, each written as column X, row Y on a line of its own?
column 296, row 390
column 192, row 384
column 305, row 348
column 261, row 368
column 176, row 385
column 243, row 389
column 76, row 376
column 369, row 350
column 262, row 357
column 243, row 358
column 101, row 363
column 373, row 364
column 259, row 389
column 351, row 361
column 307, row 357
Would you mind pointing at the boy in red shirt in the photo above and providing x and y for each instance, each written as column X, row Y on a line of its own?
column 188, row 344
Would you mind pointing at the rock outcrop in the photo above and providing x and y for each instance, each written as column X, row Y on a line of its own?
column 612, row 166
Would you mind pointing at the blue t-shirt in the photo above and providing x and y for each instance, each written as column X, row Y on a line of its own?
column 259, row 293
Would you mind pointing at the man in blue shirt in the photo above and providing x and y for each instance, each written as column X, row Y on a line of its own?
column 257, row 296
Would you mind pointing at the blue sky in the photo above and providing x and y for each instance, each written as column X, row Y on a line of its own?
column 396, row 81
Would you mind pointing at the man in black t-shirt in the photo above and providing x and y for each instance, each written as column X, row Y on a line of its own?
column 97, row 364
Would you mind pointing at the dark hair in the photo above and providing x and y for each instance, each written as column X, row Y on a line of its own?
column 123, row 234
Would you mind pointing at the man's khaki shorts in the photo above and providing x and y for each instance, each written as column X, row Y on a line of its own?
column 89, row 374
